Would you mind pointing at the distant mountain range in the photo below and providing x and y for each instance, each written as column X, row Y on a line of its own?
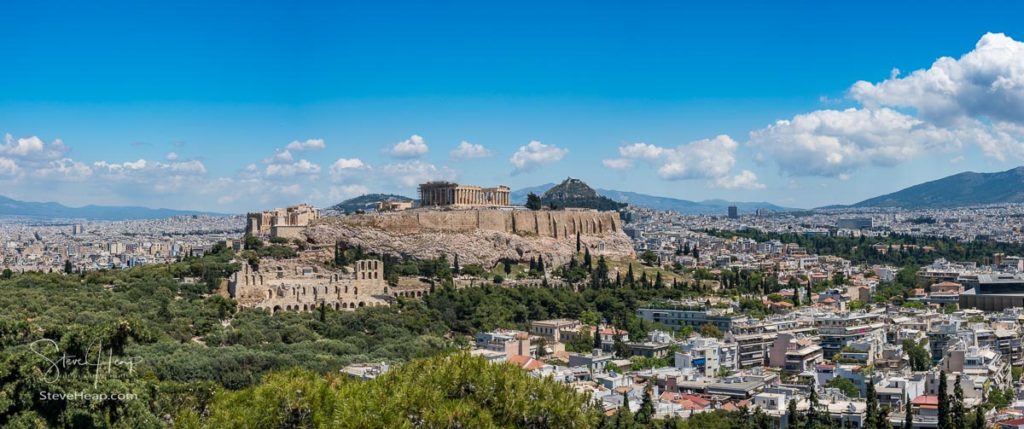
column 958, row 190
column 366, row 202
column 964, row 189
column 12, row 207
column 706, row 207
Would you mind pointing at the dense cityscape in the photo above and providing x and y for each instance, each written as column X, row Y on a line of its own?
column 780, row 315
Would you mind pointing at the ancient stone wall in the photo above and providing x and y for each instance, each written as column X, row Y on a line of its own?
column 554, row 224
column 481, row 236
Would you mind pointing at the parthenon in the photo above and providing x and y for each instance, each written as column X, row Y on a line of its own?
column 454, row 194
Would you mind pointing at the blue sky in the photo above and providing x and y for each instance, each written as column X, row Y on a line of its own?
column 193, row 105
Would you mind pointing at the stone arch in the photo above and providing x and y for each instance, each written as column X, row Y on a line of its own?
column 270, row 293
column 277, row 309
column 362, row 304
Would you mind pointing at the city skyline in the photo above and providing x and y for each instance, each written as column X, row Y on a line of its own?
column 234, row 108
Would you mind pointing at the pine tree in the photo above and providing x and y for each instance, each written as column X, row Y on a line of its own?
column 943, row 402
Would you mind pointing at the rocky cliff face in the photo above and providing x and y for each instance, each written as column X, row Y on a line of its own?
column 480, row 236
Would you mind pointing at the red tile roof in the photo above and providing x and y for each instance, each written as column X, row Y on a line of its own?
column 525, row 362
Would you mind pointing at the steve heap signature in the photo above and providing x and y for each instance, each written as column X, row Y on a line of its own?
column 97, row 363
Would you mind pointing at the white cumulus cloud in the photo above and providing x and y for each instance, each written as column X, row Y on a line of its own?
column 745, row 180
column 348, row 167
column 701, row 159
column 467, row 150
column 409, row 174
column 618, row 163
column 8, row 167
column 311, row 144
column 987, row 82
column 833, row 142
column 534, row 155
column 300, row 167
column 344, row 192
column 413, row 147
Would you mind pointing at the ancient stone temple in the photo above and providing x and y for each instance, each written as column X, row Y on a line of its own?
column 281, row 222
column 434, row 194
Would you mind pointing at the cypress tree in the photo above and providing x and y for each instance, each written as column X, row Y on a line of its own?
column 587, row 260
column 598, row 344
column 792, row 417
column 908, row 418
column 871, row 410
column 882, row 422
column 578, row 244
column 943, row 402
column 811, row 420
column 979, row 418
column 646, row 413
column 959, row 415
column 540, row 263
column 456, row 269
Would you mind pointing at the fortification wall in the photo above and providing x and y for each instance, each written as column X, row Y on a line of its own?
column 478, row 235
column 554, row 224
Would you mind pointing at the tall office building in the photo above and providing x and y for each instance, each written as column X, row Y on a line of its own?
column 733, row 212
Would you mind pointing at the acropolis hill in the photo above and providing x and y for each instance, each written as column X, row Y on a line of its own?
column 477, row 235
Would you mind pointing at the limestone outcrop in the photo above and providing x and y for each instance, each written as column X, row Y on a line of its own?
column 478, row 236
